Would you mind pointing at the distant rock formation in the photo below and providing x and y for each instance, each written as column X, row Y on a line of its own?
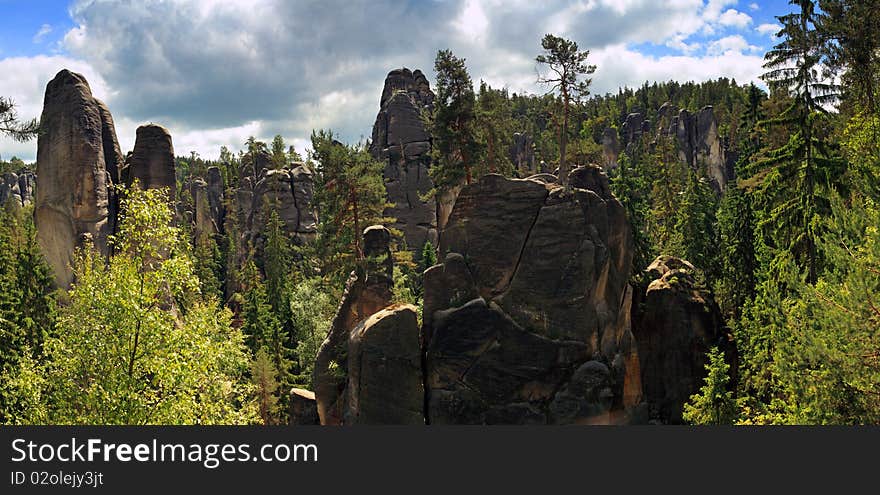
column 367, row 291
column 522, row 154
column 152, row 161
column 696, row 137
column 287, row 191
column 610, row 148
column 527, row 320
column 401, row 141
column 680, row 321
column 17, row 188
column 77, row 161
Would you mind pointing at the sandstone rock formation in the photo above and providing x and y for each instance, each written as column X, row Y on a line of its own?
column 385, row 370
column 288, row 192
column 152, row 161
column 367, row 291
column 696, row 137
column 679, row 323
column 610, row 148
column 303, row 408
column 17, row 188
column 526, row 321
column 522, row 154
column 77, row 159
column 401, row 141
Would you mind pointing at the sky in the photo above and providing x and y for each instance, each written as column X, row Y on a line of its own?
column 217, row 71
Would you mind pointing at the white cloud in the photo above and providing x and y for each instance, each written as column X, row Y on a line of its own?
column 619, row 66
column 730, row 44
column 217, row 71
column 735, row 18
column 769, row 29
column 713, row 9
column 44, row 30
column 24, row 80
column 754, row 6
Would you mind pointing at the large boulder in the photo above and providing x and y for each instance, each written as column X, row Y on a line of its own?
column 678, row 323
column 152, row 161
column 402, row 142
column 77, row 159
column 526, row 321
column 367, row 291
column 385, row 370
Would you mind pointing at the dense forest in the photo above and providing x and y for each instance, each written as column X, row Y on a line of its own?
column 186, row 324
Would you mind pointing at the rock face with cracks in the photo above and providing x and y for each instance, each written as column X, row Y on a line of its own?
column 367, row 292
column 402, row 142
column 78, row 160
column 527, row 320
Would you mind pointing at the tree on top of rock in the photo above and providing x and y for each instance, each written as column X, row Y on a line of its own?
column 566, row 64
column 453, row 123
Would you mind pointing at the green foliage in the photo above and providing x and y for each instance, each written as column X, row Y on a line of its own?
column 453, row 124
column 263, row 374
column 11, row 127
column 695, row 237
column 27, row 300
column 495, row 129
column 312, row 307
column 350, row 196
column 715, row 404
column 566, row 66
column 737, row 260
column 630, row 184
column 137, row 344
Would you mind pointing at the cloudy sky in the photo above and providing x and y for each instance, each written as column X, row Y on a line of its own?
column 217, row 71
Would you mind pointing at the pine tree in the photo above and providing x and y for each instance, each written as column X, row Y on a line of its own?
column 350, row 196
column 453, row 123
column 278, row 152
column 495, row 128
column 566, row 64
column 738, row 264
column 10, row 125
column 695, row 236
column 263, row 375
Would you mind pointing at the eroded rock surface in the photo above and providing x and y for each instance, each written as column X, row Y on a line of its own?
column 151, row 163
column 527, row 319
column 77, row 159
column 401, row 141
column 680, row 322
column 367, row 291
column 385, row 370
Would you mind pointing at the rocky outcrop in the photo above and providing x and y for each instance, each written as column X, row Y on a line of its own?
column 303, row 408
column 17, row 188
column 526, row 321
column 385, row 370
column 701, row 147
column 696, row 138
column 367, row 291
column 401, row 141
column 288, row 192
column 610, row 148
column 152, row 161
column 679, row 322
column 77, row 159
column 522, row 154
